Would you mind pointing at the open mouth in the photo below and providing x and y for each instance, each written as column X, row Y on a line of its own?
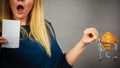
column 20, row 8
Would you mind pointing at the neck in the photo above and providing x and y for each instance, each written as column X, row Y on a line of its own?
column 23, row 21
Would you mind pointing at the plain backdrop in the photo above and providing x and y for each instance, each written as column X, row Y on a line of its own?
column 69, row 19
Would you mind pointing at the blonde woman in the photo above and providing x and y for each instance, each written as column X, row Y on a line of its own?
column 38, row 45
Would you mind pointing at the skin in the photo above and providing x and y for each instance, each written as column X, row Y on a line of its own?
column 21, row 15
column 73, row 54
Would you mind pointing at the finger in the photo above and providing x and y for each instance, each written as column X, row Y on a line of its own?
column 92, row 33
column 92, row 36
column 3, row 41
column 2, row 38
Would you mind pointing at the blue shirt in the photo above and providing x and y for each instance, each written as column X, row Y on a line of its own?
column 32, row 55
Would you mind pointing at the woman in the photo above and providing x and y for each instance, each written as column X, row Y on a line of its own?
column 38, row 45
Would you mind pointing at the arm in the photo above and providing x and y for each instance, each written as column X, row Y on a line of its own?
column 73, row 55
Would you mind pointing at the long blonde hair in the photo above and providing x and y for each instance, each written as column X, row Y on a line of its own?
column 38, row 30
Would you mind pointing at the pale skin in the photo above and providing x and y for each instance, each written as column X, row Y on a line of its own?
column 22, row 15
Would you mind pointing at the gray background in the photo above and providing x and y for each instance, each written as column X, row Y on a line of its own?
column 69, row 19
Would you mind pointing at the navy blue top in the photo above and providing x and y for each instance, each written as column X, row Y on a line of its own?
column 32, row 55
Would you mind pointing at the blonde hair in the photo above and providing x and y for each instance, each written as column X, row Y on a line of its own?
column 38, row 28
column 0, row 17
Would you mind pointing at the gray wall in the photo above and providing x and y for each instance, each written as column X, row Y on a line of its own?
column 70, row 17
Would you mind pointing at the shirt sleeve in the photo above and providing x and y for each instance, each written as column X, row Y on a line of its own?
column 63, row 63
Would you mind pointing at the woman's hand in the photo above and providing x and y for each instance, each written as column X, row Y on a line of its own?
column 89, row 35
column 2, row 40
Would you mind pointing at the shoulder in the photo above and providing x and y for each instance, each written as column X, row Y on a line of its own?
column 48, row 23
column 50, row 28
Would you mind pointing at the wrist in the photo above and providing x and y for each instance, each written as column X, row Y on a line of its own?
column 82, row 43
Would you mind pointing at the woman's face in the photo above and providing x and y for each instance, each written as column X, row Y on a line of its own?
column 21, row 8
